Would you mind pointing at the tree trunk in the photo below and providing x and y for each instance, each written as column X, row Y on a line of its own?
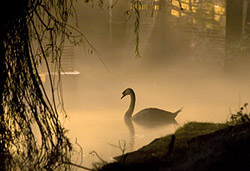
column 234, row 28
column 234, row 21
column 8, row 18
column 2, row 83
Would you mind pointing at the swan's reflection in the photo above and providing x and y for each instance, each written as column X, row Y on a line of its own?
column 130, row 125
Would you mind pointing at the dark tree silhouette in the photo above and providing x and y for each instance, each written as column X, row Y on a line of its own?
column 32, row 31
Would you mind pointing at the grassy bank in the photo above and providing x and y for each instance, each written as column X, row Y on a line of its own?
column 195, row 146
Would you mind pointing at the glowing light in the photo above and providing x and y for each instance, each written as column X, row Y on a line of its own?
column 217, row 17
column 175, row 13
column 219, row 10
column 43, row 77
column 175, row 3
column 156, row 7
column 148, row 5
column 185, row 6
column 194, row 9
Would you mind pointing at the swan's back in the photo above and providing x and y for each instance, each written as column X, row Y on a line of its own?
column 154, row 116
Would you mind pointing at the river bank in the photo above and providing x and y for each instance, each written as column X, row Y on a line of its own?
column 195, row 146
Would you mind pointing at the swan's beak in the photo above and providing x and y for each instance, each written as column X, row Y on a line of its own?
column 123, row 95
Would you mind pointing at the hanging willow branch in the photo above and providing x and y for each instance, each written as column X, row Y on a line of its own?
column 136, row 7
column 32, row 34
column 135, row 10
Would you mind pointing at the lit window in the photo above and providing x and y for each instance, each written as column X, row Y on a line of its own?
column 219, row 10
column 185, row 6
column 175, row 13
column 156, row 7
column 144, row 7
column 176, row 3
column 149, row 5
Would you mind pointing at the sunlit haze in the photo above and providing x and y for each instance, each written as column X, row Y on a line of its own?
column 178, row 67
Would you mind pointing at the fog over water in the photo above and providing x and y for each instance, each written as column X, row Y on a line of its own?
column 167, row 79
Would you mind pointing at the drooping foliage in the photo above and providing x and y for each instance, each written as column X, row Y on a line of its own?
column 32, row 31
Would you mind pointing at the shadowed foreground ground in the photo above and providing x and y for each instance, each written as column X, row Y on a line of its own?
column 196, row 146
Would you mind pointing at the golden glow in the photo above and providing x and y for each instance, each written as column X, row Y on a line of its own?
column 175, row 13
column 200, row 84
column 43, row 77
column 148, row 5
column 209, row 9
column 219, row 10
column 175, row 3
column 185, row 6
column 183, row 14
column 194, row 9
column 156, row 7
column 217, row 17
column 144, row 7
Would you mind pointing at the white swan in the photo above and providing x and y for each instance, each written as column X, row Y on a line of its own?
column 148, row 116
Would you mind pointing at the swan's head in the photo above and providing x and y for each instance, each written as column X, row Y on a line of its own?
column 126, row 92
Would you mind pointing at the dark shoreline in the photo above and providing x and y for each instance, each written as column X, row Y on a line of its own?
column 195, row 146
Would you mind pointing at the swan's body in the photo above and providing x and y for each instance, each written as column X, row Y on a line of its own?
column 148, row 116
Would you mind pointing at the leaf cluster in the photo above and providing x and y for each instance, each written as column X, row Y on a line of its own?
column 240, row 117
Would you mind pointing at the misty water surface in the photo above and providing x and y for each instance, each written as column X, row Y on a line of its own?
column 96, row 111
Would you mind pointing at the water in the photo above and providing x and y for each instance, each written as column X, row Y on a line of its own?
column 103, row 135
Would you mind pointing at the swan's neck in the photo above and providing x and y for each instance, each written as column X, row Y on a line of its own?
column 130, row 111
